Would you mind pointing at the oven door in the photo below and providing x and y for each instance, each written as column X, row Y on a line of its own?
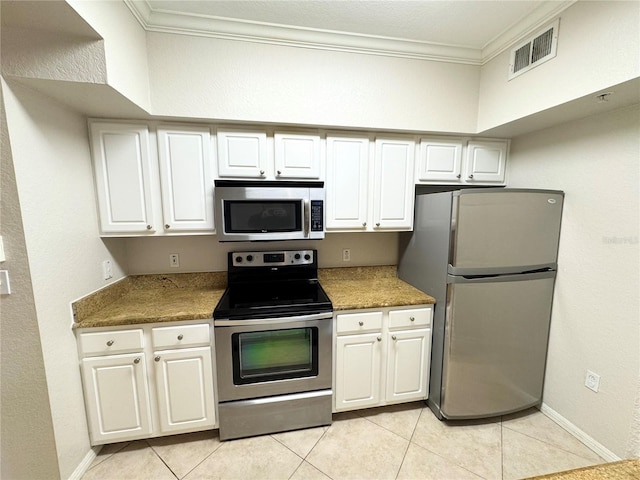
column 264, row 357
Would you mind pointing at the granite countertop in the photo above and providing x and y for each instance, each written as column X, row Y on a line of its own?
column 622, row 470
column 190, row 296
column 369, row 287
column 151, row 298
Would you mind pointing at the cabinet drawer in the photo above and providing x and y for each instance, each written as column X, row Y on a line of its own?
column 180, row 336
column 106, row 343
column 359, row 322
column 407, row 318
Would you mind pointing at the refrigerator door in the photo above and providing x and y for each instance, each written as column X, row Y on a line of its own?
column 496, row 332
column 504, row 231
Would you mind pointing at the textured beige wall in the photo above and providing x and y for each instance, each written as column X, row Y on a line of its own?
column 594, row 326
column 28, row 449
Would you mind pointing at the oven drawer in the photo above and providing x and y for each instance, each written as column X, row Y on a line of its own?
column 359, row 322
column 106, row 343
column 180, row 336
column 409, row 318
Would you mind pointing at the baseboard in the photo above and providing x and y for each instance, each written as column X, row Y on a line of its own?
column 597, row 447
column 85, row 463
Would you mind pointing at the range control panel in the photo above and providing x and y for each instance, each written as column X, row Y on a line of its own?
column 273, row 258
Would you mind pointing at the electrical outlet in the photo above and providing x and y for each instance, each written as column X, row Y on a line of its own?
column 107, row 273
column 174, row 260
column 346, row 255
column 592, row 381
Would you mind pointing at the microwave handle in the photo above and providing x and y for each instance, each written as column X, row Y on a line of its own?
column 307, row 217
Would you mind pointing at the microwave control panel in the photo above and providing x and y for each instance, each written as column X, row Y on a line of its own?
column 317, row 215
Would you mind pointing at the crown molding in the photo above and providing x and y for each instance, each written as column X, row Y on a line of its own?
column 274, row 34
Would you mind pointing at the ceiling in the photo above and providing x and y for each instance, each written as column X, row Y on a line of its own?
column 456, row 30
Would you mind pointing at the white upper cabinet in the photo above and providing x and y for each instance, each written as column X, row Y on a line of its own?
column 186, row 177
column 440, row 160
column 369, row 188
column 124, row 176
column 447, row 161
column 296, row 155
column 486, row 161
column 393, row 189
column 347, row 182
column 249, row 154
column 242, row 153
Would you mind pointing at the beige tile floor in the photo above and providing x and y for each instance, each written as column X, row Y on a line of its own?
column 402, row 441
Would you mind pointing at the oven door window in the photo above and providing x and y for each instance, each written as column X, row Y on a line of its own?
column 262, row 216
column 275, row 355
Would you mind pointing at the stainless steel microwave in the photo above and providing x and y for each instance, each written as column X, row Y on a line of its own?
column 254, row 210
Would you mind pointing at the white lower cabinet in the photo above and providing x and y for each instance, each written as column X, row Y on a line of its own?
column 126, row 398
column 382, row 356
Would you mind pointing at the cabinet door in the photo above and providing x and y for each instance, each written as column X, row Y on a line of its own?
column 184, row 385
column 123, row 176
column 242, row 153
column 408, row 365
column 394, row 186
column 358, row 360
column 296, row 155
column 486, row 161
column 440, row 161
column 346, row 185
column 116, row 397
column 186, row 176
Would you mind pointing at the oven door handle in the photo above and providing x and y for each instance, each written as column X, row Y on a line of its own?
column 271, row 321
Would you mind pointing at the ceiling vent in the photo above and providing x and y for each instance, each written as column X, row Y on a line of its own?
column 534, row 51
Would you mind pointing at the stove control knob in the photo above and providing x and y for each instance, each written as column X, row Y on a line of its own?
column 238, row 259
column 297, row 256
column 249, row 258
column 307, row 257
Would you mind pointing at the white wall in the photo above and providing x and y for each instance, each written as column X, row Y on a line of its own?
column 596, row 161
column 206, row 254
column 231, row 80
column 124, row 47
column 55, row 188
column 598, row 47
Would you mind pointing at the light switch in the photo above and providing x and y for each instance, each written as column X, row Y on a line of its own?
column 5, row 287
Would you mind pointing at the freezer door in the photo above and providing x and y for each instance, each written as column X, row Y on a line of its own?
column 501, row 231
column 496, row 332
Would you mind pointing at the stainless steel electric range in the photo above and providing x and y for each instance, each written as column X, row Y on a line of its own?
column 273, row 337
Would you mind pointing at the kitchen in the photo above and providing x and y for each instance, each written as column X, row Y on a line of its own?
column 593, row 159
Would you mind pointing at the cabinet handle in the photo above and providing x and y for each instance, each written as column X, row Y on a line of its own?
column 413, row 319
column 364, row 224
column 279, row 172
column 157, row 359
column 262, row 173
column 361, row 323
column 149, row 227
column 136, row 360
column 167, row 226
column 394, row 337
column 109, row 343
column 459, row 175
column 377, row 224
column 471, row 176
column 379, row 339
column 180, row 337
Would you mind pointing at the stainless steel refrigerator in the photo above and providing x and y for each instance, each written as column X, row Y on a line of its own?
column 489, row 257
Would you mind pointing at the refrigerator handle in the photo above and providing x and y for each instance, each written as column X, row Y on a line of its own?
column 452, row 279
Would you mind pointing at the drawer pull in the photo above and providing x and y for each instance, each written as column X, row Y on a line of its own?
column 137, row 360
column 109, row 343
column 361, row 323
column 413, row 319
column 157, row 359
column 394, row 337
column 180, row 337
column 379, row 339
